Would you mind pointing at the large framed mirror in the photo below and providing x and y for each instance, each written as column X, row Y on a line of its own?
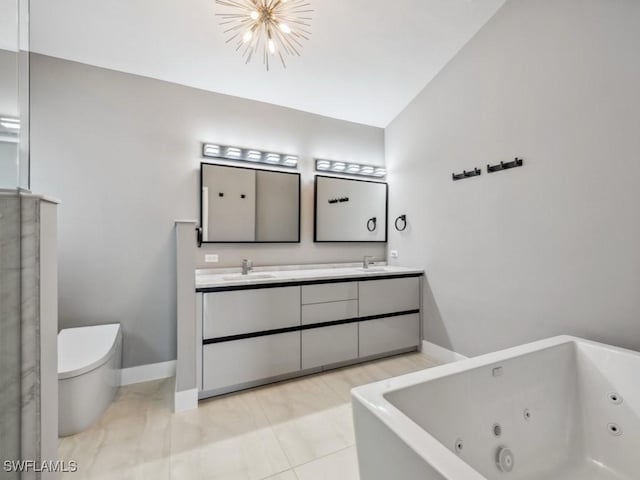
column 349, row 210
column 247, row 205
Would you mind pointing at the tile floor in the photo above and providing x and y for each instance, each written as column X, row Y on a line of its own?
column 296, row 430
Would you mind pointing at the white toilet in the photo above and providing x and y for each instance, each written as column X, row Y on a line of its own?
column 89, row 361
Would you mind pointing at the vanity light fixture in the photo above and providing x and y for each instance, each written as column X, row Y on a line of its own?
column 350, row 168
column 252, row 155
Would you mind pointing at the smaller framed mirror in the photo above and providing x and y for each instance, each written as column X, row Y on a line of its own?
column 247, row 205
column 349, row 210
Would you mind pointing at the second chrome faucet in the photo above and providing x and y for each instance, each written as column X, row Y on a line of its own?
column 247, row 266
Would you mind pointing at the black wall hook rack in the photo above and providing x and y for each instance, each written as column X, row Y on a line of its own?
column 517, row 162
column 461, row 176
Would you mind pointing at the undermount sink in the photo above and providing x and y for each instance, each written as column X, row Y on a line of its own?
column 250, row 276
column 373, row 269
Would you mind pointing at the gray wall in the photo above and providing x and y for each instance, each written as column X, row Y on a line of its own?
column 550, row 248
column 122, row 153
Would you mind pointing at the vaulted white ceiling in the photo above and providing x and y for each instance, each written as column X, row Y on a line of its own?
column 366, row 60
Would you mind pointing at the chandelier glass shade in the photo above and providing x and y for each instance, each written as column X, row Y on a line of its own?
column 266, row 28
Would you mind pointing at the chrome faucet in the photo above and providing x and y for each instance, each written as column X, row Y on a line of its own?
column 366, row 261
column 247, row 266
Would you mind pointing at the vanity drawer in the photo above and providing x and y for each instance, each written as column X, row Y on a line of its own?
column 329, row 312
column 389, row 334
column 329, row 292
column 327, row 345
column 241, row 361
column 246, row 311
column 379, row 297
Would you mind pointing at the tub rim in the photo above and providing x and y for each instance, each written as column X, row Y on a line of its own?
column 373, row 397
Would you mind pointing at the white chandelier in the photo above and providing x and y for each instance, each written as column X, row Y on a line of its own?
column 267, row 27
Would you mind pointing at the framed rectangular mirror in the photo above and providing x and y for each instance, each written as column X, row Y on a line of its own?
column 349, row 210
column 247, row 205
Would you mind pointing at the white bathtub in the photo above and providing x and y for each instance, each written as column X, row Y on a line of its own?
column 565, row 408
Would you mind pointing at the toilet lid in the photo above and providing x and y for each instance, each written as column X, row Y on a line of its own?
column 84, row 348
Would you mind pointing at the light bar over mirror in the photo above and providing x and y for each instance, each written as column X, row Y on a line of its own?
column 350, row 168
column 249, row 155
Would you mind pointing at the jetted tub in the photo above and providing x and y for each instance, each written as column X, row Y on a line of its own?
column 558, row 409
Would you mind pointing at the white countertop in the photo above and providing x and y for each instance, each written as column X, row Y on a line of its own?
column 231, row 277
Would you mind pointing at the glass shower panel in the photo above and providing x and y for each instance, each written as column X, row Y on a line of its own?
column 9, row 95
column 13, row 177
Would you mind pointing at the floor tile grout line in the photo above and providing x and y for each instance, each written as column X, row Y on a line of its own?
column 271, row 426
column 290, row 469
column 324, row 456
column 333, row 389
column 273, row 432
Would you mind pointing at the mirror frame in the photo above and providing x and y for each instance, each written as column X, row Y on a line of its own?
column 203, row 242
column 315, row 210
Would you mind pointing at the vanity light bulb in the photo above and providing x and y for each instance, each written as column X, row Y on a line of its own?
column 273, row 158
column 248, row 35
column 338, row 167
column 380, row 172
column 291, row 161
column 233, row 152
column 254, row 155
column 254, row 15
column 353, row 168
column 367, row 170
column 323, row 165
column 211, row 150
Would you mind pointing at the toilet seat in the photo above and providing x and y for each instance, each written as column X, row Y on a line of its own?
column 83, row 349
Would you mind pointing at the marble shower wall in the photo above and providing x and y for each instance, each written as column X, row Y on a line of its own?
column 30, row 330
column 28, row 327
column 10, row 327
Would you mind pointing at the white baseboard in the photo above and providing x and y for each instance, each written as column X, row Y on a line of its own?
column 146, row 373
column 185, row 400
column 441, row 354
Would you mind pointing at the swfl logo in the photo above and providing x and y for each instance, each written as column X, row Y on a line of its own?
column 56, row 466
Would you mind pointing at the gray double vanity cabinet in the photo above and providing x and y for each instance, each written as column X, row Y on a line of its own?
column 252, row 332
column 257, row 327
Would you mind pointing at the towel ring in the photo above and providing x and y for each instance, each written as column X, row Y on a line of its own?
column 199, row 234
column 403, row 219
column 372, row 223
